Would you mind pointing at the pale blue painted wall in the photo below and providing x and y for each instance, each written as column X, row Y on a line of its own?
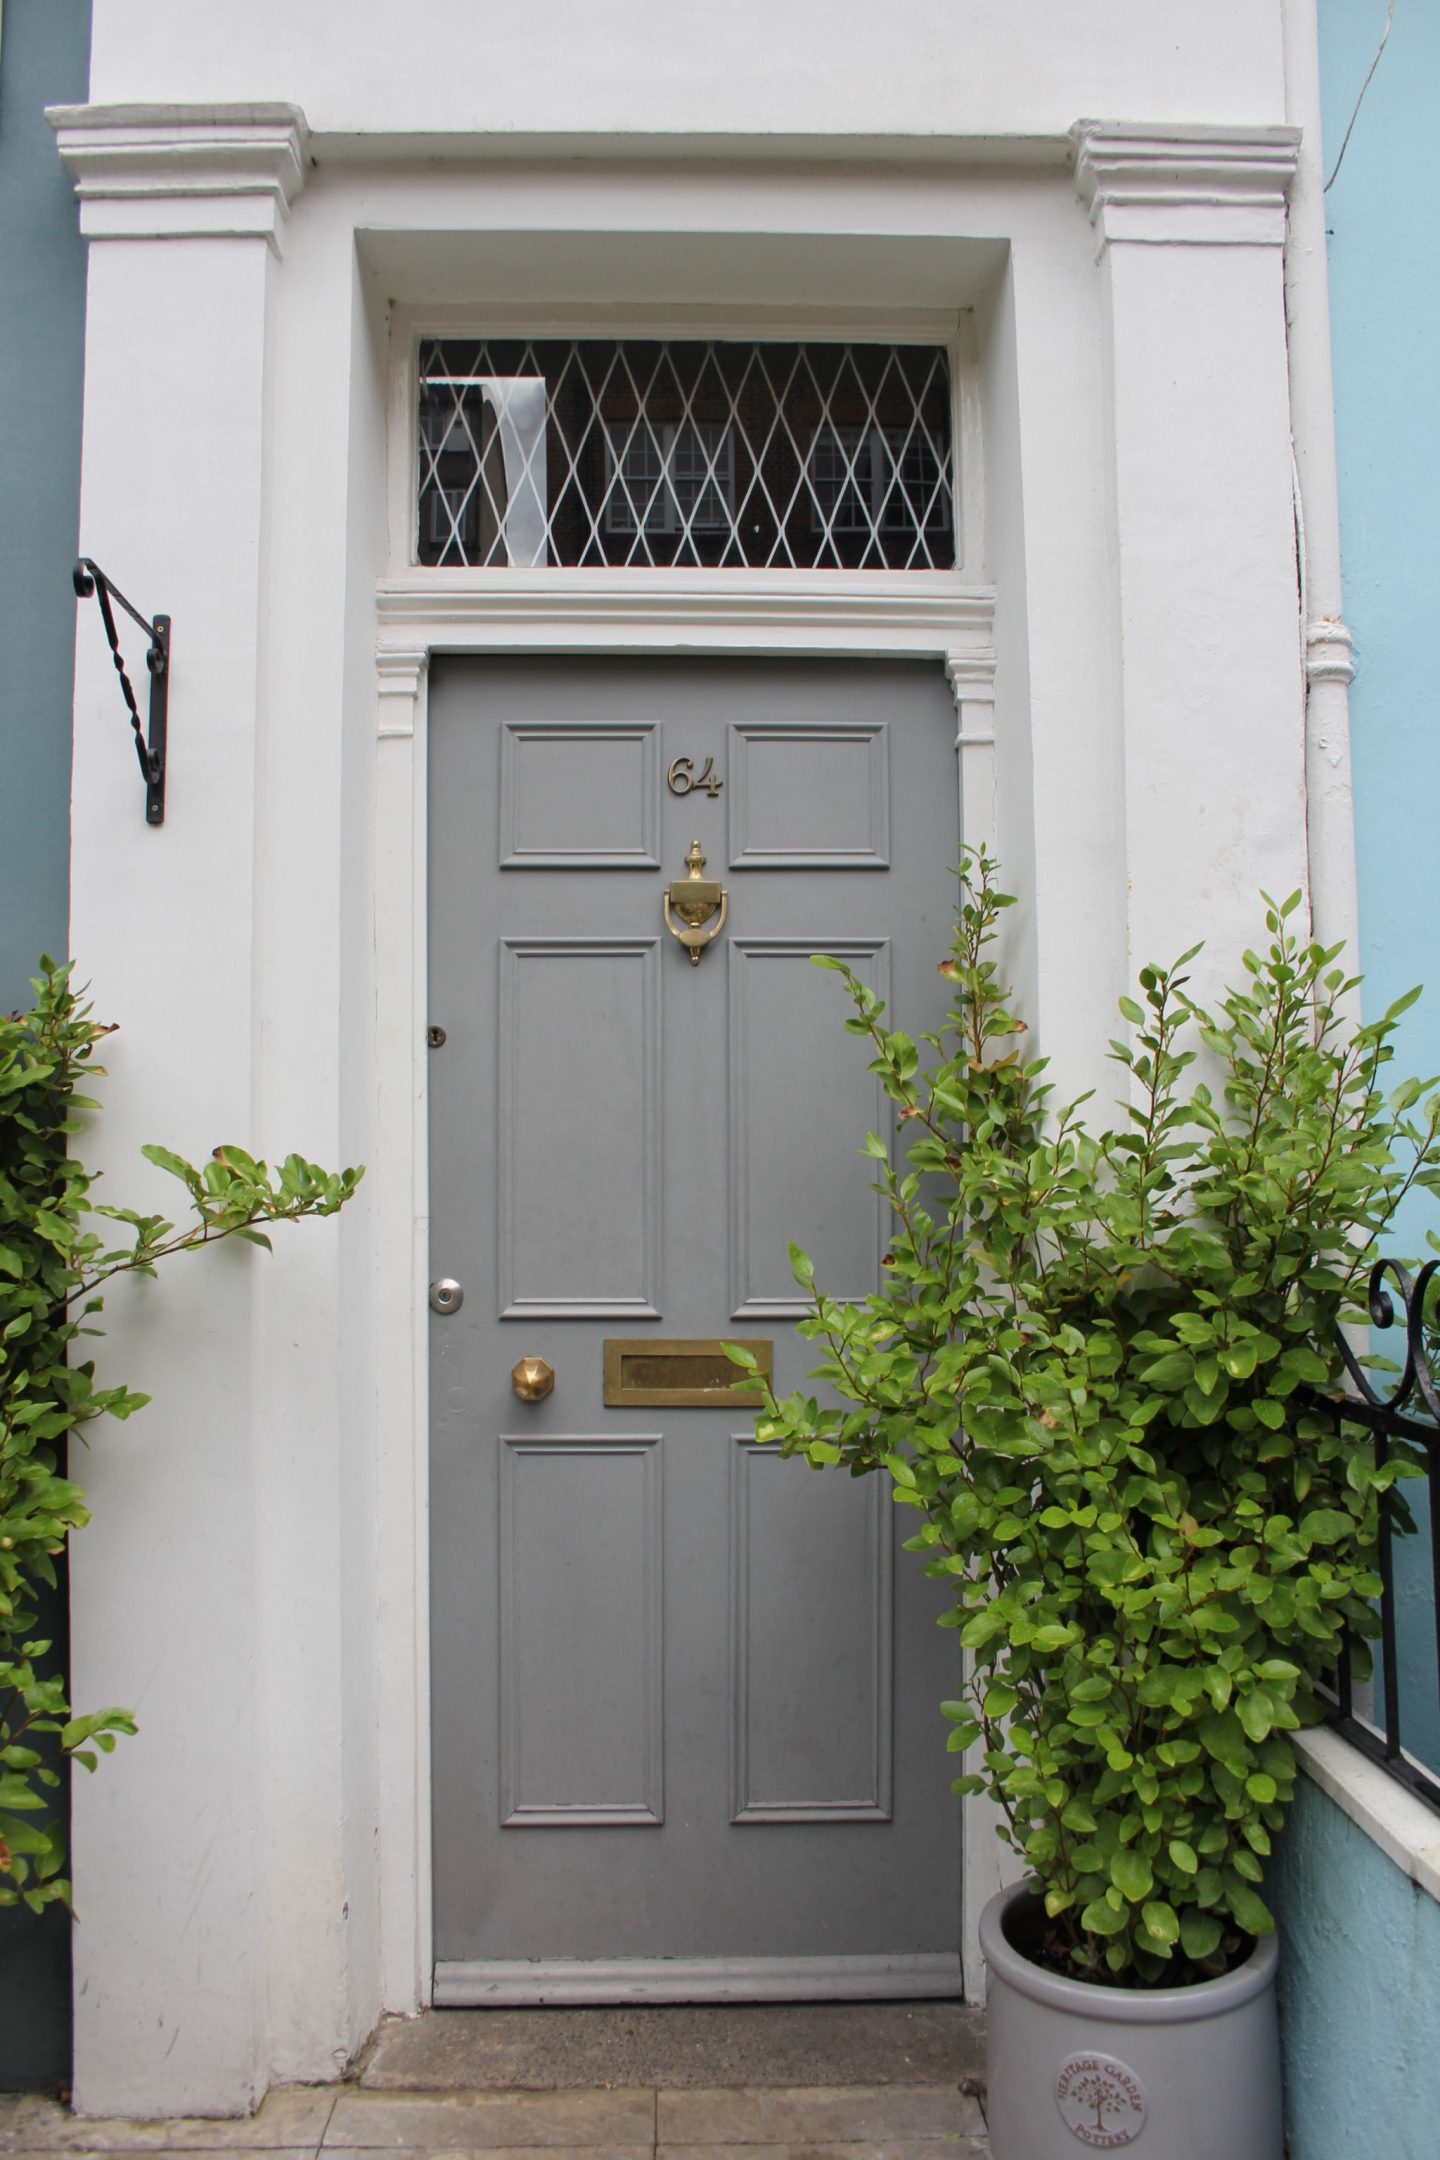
column 1360, row 1987
column 44, row 60
column 1383, row 214
column 1359, row 1993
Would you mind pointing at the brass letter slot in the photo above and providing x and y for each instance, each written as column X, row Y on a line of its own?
column 654, row 1374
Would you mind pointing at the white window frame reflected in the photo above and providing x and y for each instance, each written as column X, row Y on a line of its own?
column 663, row 497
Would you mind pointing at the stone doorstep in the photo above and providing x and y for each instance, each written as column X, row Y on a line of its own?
column 677, row 2046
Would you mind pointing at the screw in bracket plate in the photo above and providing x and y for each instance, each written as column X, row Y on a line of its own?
column 435, row 1036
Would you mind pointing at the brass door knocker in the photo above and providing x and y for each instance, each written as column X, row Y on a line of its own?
column 695, row 899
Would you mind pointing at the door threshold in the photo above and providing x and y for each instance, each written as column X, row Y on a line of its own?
column 472, row 1983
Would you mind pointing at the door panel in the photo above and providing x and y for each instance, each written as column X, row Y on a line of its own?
column 833, row 1655
column 579, row 798
column 577, row 1030
column 810, row 798
column 686, row 1734
column 796, row 1119
column 581, row 1648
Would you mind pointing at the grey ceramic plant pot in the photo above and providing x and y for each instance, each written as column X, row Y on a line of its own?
column 1188, row 2073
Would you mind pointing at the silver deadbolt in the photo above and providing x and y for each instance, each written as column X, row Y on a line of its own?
column 446, row 1295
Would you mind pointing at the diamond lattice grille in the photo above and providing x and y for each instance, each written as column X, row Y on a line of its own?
column 730, row 456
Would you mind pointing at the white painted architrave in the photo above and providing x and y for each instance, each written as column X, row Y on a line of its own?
column 1111, row 669
column 421, row 613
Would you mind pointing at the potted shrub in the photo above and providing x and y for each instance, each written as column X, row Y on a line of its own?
column 1098, row 1373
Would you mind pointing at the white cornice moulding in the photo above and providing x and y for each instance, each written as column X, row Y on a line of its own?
column 909, row 616
column 908, row 612
column 178, row 172
column 1199, row 186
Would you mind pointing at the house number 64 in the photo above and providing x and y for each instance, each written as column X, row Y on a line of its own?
column 682, row 778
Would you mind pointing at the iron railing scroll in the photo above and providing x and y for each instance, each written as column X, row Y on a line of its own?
column 1407, row 1411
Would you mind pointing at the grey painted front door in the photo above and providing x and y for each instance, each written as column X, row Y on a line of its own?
column 686, row 1729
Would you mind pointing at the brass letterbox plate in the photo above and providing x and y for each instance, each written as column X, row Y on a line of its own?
column 654, row 1373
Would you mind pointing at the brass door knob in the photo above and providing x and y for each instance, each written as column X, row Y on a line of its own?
column 532, row 1379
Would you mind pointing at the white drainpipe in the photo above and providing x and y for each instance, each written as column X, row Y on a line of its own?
column 1328, row 666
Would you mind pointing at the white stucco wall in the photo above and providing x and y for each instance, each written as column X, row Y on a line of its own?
column 913, row 68
column 253, row 1870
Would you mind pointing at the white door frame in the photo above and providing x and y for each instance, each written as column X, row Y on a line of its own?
column 417, row 615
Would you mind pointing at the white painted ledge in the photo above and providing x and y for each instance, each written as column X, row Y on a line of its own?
column 1405, row 1830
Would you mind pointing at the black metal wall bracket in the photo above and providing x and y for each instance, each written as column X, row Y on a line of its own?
column 90, row 578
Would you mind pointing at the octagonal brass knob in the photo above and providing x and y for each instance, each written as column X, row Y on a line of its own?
column 532, row 1379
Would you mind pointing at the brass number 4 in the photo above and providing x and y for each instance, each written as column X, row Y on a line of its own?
column 682, row 778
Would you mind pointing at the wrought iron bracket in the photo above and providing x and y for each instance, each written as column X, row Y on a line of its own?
column 89, row 578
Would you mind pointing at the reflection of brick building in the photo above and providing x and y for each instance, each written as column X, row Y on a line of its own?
column 817, row 456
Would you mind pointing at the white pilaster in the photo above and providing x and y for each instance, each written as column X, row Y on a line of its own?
column 400, row 1319
column 170, row 1956
column 1190, row 225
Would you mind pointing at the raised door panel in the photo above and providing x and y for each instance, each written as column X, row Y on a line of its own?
column 579, row 1140
column 810, row 796
column 581, row 1651
column 579, row 797
column 798, row 1111
column 811, row 1625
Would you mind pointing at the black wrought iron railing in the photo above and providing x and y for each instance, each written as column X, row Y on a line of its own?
column 1395, row 1719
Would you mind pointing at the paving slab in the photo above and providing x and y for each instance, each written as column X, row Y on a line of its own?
column 884, row 2149
column 502, row 2152
column 834, row 2115
column 487, row 2121
column 824, row 2123
column 292, row 2118
column 679, row 2045
column 190, row 2152
column 499, row 2152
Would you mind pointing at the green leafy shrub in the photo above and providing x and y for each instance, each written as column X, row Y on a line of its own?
column 1098, row 1373
column 52, row 1262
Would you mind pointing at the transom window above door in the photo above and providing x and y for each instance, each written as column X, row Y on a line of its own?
column 725, row 455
